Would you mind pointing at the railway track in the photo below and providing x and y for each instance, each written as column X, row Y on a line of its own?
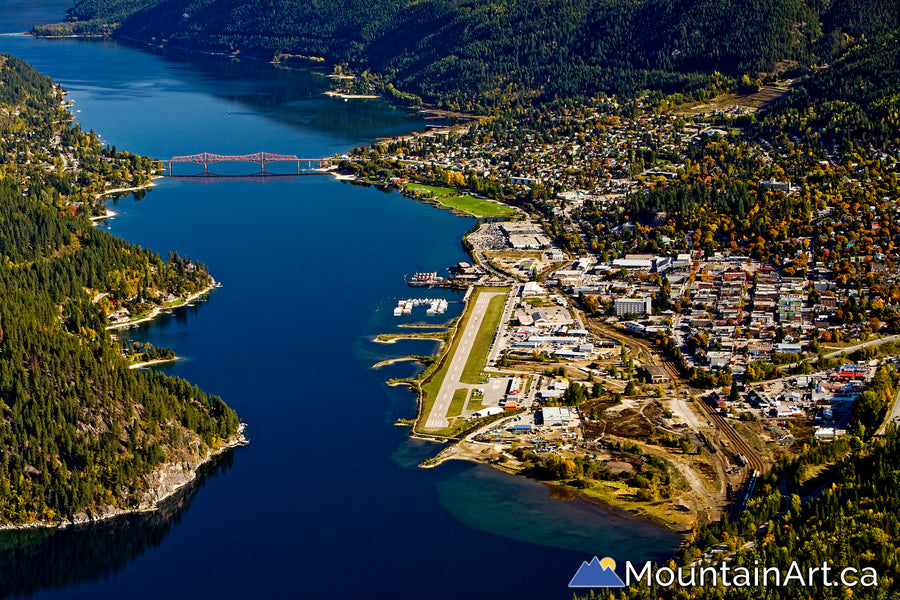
column 754, row 462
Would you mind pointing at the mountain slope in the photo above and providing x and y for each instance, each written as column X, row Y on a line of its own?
column 482, row 51
column 854, row 100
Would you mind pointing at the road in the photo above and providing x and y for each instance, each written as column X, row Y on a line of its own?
column 437, row 418
column 848, row 350
column 893, row 415
column 496, row 346
column 480, row 259
column 852, row 349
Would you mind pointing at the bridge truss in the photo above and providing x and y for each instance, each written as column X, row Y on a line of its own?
column 261, row 158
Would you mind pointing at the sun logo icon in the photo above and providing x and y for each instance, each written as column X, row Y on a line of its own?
column 597, row 574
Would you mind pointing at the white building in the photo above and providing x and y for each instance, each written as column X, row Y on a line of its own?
column 719, row 359
column 634, row 306
column 532, row 289
column 632, row 263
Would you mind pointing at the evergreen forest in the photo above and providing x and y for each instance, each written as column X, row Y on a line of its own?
column 79, row 430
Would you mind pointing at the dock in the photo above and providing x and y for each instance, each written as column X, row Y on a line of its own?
column 436, row 306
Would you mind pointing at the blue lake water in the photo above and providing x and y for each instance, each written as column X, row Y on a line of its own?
column 327, row 500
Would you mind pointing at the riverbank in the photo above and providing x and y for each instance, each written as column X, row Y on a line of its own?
column 164, row 482
column 109, row 214
column 158, row 309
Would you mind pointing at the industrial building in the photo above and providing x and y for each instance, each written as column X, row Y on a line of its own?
column 557, row 415
column 655, row 374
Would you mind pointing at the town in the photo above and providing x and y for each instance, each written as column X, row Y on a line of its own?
column 613, row 319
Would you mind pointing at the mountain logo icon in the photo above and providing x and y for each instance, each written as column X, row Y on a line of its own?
column 597, row 574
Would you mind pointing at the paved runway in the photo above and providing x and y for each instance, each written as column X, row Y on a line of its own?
column 438, row 417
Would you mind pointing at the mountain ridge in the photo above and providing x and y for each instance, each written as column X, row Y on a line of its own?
column 478, row 53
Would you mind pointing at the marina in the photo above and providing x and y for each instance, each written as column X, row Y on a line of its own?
column 436, row 306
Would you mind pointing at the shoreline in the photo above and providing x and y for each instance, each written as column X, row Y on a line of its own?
column 488, row 457
column 517, row 213
column 109, row 214
column 351, row 96
column 393, row 361
column 461, row 212
column 128, row 189
column 410, row 336
column 96, row 515
column 157, row 361
column 158, row 309
column 435, row 202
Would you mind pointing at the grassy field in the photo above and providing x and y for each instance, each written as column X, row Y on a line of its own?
column 387, row 338
column 432, row 384
column 514, row 255
column 477, row 207
column 813, row 471
column 451, row 198
column 760, row 99
column 460, row 425
column 434, row 190
column 478, row 356
column 458, row 403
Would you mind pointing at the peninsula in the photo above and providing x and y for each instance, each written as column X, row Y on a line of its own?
column 84, row 436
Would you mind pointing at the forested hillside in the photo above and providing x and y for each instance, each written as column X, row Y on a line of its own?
column 477, row 54
column 856, row 100
column 852, row 522
column 79, row 430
